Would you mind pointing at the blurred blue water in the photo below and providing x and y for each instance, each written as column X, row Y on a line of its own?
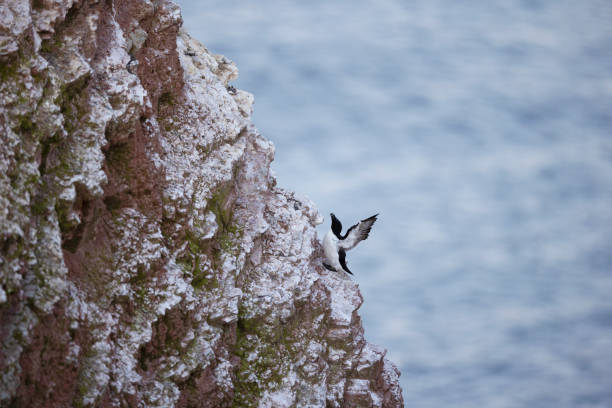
column 482, row 132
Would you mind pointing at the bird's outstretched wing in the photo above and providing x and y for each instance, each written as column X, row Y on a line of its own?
column 357, row 233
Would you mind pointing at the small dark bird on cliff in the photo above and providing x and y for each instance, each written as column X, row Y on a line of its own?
column 335, row 245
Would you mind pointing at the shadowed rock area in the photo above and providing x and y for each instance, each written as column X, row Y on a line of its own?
column 147, row 256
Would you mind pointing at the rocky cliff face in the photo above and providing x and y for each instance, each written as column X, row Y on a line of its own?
column 147, row 256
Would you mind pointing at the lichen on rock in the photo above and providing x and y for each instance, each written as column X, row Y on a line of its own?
column 147, row 256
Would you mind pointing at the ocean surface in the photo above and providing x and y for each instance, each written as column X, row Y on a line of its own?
column 482, row 133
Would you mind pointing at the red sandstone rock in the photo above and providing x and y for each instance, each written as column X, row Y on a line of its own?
column 147, row 256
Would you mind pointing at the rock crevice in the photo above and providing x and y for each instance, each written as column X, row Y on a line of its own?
column 147, row 256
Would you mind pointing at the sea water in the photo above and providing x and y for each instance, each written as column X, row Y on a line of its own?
column 482, row 133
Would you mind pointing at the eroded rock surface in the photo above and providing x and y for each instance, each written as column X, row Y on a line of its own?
column 147, row 256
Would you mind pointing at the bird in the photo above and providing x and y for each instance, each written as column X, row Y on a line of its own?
column 335, row 245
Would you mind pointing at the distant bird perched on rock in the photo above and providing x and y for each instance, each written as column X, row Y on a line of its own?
column 336, row 245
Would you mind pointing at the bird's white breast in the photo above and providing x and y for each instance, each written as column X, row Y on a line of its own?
column 330, row 248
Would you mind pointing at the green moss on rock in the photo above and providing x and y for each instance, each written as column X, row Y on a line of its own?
column 263, row 355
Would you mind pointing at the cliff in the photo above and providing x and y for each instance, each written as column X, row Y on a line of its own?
column 147, row 256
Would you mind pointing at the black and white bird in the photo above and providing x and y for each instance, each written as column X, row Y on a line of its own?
column 335, row 245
